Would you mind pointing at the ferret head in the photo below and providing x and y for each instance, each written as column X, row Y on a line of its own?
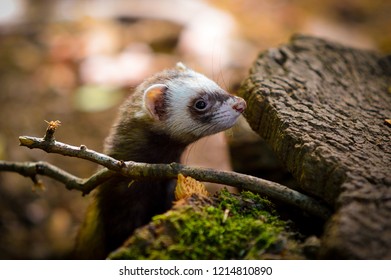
column 186, row 105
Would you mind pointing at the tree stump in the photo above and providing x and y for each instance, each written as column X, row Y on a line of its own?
column 322, row 107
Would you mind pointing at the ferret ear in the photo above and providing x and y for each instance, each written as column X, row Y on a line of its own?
column 181, row 67
column 154, row 101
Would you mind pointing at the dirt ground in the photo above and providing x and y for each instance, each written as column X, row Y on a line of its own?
column 76, row 62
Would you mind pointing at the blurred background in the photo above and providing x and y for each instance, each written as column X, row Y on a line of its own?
column 75, row 61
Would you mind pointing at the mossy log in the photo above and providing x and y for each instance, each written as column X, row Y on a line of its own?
column 322, row 107
column 225, row 226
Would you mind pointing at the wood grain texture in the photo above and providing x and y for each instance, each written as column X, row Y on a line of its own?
column 322, row 106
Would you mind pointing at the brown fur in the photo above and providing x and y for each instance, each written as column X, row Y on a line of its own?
column 120, row 206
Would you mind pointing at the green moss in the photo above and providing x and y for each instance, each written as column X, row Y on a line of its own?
column 227, row 227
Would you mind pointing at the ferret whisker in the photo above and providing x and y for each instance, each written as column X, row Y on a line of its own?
column 187, row 152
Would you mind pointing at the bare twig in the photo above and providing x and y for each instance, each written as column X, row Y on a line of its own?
column 140, row 171
column 246, row 182
column 71, row 151
column 32, row 169
column 52, row 126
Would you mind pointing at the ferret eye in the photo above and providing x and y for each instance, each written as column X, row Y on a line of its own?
column 200, row 105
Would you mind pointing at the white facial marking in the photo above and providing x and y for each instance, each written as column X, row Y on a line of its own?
column 183, row 124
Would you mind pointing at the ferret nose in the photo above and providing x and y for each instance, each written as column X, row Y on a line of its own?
column 239, row 105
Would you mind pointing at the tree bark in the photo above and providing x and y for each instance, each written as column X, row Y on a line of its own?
column 322, row 108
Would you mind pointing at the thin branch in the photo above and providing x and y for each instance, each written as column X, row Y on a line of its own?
column 52, row 126
column 245, row 182
column 140, row 171
column 56, row 147
column 32, row 169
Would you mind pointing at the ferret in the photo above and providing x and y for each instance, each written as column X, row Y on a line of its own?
column 166, row 113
